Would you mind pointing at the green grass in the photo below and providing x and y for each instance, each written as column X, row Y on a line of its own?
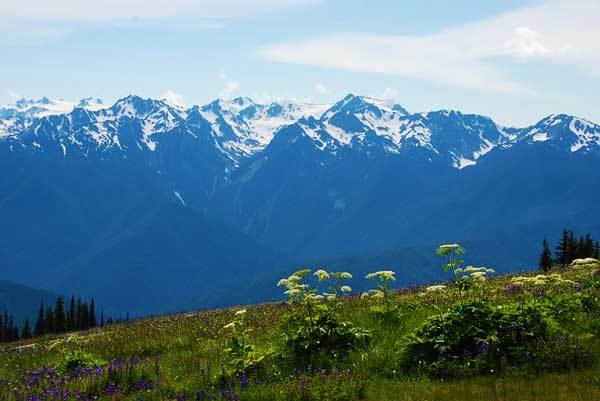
column 183, row 354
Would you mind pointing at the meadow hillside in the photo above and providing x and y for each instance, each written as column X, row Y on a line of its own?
column 478, row 337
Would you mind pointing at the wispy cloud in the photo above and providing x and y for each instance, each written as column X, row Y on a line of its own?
column 231, row 86
column 102, row 10
column 468, row 56
column 46, row 20
column 321, row 89
column 173, row 98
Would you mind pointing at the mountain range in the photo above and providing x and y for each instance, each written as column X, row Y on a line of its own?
column 154, row 207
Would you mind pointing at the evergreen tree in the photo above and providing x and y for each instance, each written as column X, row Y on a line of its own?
column 85, row 316
column 26, row 331
column 79, row 315
column 546, row 261
column 71, row 315
column 93, row 322
column 40, row 326
column 597, row 251
column 1, row 329
column 571, row 248
column 6, row 329
column 59, row 316
column 49, row 320
column 565, row 251
column 102, row 318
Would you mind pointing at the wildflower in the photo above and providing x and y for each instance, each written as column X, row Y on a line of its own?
column 484, row 347
column 301, row 273
column 346, row 288
column 240, row 312
column 435, row 288
column 322, row 275
column 230, row 326
column 586, row 262
column 478, row 275
column 344, row 275
column 384, row 275
column 447, row 249
column 293, row 292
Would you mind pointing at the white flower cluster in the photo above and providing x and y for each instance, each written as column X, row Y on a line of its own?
column 586, row 263
column 447, row 249
column 542, row 280
column 299, row 290
column 435, row 288
column 478, row 273
column 383, row 275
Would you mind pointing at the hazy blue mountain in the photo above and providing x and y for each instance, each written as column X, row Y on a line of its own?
column 23, row 302
column 155, row 207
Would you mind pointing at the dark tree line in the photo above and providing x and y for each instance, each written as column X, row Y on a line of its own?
column 568, row 249
column 77, row 315
column 60, row 318
column 8, row 329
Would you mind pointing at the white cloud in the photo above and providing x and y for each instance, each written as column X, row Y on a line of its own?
column 390, row 94
column 173, row 98
column 561, row 31
column 103, row 10
column 321, row 89
column 231, row 87
column 41, row 21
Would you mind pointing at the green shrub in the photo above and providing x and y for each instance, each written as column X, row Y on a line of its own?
column 73, row 359
column 312, row 327
column 326, row 337
column 475, row 336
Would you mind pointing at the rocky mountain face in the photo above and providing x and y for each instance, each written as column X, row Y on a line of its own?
column 182, row 205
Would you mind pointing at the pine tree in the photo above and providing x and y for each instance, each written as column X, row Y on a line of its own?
column 597, row 251
column 6, row 329
column 49, row 320
column 59, row 316
column 563, row 249
column 85, row 316
column 1, row 329
column 102, row 318
column 79, row 315
column 571, row 248
column 26, row 331
column 40, row 326
column 93, row 322
column 71, row 315
column 546, row 261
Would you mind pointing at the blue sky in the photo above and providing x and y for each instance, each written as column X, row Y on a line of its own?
column 515, row 61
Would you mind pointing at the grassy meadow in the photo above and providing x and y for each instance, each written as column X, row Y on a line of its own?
column 325, row 343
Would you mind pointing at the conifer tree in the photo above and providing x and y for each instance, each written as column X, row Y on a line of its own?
column 40, row 327
column 79, row 315
column 26, row 331
column 93, row 322
column 71, row 315
column 49, row 321
column 564, row 249
column 597, row 251
column 2, row 329
column 546, row 261
column 59, row 316
column 102, row 318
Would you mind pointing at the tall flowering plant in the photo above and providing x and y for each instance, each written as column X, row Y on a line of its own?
column 382, row 280
column 313, row 327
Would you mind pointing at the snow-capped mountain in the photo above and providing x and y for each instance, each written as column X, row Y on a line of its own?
column 188, row 197
column 241, row 128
